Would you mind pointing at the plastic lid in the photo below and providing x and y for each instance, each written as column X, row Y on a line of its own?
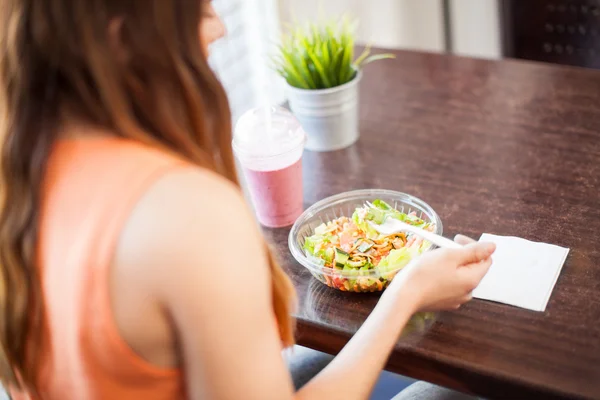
column 267, row 132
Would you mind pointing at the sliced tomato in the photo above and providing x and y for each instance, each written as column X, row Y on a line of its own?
column 337, row 282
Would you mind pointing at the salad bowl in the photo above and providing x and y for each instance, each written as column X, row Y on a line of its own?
column 333, row 238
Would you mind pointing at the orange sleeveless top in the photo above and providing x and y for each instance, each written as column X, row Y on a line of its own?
column 90, row 189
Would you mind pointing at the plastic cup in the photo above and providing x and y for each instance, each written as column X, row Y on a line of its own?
column 269, row 143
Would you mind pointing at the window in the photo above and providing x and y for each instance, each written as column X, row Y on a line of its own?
column 241, row 59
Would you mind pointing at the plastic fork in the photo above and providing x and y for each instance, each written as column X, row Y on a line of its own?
column 392, row 225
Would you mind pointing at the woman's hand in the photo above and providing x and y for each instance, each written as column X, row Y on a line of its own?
column 441, row 279
column 444, row 279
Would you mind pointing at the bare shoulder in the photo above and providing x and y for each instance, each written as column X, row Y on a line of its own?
column 189, row 192
column 184, row 224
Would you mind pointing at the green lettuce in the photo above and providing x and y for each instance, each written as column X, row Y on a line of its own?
column 383, row 211
column 364, row 226
column 397, row 259
column 382, row 205
column 324, row 254
column 322, row 235
column 310, row 243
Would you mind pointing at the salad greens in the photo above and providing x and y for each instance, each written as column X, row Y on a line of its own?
column 355, row 257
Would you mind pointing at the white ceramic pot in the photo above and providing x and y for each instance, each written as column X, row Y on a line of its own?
column 329, row 116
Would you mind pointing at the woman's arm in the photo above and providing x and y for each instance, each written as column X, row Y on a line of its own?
column 440, row 280
column 353, row 373
column 207, row 267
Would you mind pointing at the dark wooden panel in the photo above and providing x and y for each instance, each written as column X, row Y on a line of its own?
column 511, row 148
column 555, row 31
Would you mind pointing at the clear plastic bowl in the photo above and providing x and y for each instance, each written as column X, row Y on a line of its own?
column 344, row 204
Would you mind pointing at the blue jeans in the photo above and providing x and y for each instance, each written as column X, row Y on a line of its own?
column 304, row 364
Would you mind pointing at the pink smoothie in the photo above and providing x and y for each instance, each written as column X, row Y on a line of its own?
column 277, row 195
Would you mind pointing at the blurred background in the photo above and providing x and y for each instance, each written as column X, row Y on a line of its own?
column 563, row 32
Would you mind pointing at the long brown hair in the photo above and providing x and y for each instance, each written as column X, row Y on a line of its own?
column 155, row 87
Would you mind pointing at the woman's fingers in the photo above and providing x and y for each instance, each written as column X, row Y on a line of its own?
column 472, row 274
column 467, row 298
column 473, row 253
column 463, row 240
column 475, row 256
column 477, row 271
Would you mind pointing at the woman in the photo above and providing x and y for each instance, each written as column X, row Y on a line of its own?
column 123, row 226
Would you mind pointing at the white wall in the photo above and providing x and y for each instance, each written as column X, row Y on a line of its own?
column 476, row 28
column 411, row 24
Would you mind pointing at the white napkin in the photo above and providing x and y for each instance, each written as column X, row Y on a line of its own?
column 523, row 273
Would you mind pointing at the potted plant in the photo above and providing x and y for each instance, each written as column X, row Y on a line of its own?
column 322, row 76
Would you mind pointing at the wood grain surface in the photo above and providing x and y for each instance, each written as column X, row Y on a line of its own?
column 505, row 147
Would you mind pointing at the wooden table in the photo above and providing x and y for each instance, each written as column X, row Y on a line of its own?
column 511, row 148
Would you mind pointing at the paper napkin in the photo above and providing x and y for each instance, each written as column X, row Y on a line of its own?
column 523, row 273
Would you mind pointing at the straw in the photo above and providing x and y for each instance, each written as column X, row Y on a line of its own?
column 268, row 116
